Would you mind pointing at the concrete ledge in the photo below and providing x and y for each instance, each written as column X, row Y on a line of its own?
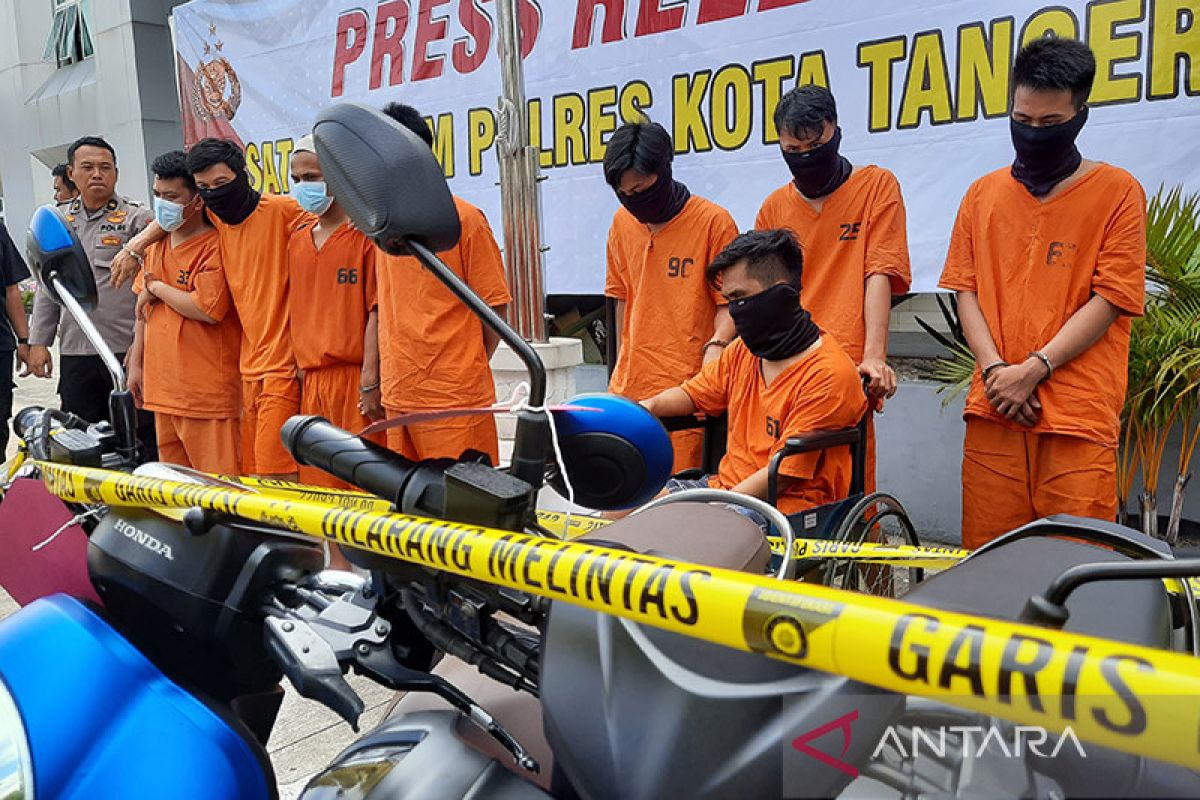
column 558, row 353
column 562, row 358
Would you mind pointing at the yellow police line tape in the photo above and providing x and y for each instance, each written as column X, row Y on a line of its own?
column 11, row 467
column 1131, row 698
column 896, row 555
column 905, row 555
column 553, row 521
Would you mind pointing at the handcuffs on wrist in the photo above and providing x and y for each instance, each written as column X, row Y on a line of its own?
column 125, row 248
column 986, row 371
column 1040, row 356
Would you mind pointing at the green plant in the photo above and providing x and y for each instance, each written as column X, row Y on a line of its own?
column 28, row 289
column 955, row 371
column 1164, row 357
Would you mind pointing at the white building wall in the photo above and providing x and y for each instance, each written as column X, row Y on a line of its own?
column 129, row 99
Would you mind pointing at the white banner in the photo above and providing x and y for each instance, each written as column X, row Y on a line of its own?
column 922, row 89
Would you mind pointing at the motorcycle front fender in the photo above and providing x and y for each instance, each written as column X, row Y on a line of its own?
column 101, row 721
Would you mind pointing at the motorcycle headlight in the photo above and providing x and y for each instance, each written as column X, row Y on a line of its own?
column 356, row 775
column 16, row 766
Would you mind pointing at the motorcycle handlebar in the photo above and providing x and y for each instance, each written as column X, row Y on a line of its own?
column 414, row 487
column 31, row 416
column 316, row 442
column 33, row 423
column 26, row 419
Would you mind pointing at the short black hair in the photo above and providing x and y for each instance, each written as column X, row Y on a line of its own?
column 410, row 118
column 89, row 141
column 173, row 164
column 771, row 256
column 642, row 146
column 803, row 111
column 210, row 152
column 1056, row 64
column 60, row 172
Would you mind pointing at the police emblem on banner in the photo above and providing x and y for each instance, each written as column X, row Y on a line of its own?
column 216, row 90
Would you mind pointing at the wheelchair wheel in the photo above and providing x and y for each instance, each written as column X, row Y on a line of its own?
column 881, row 519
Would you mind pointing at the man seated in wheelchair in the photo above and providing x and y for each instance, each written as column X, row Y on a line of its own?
column 780, row 378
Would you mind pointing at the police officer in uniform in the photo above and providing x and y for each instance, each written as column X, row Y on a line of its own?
column 14, row 327
column 104, row 221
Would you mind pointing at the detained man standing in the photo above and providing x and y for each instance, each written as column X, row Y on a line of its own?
column 434, row 353
column 1048, row 260
column 332, row 310
column 105, row 222
column 671, row 322
column 183, row 364
column 850, row 220
column 253, row 230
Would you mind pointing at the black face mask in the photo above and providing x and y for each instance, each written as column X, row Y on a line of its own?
column 1048, row 155
column 772, row 324
column 233, row 202
column 659, row 203
column 821, row 170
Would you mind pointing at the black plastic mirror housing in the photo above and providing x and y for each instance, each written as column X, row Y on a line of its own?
column 387, row 179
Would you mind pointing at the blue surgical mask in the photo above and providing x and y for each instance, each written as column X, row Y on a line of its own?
column 168, row 215
column 311, row 196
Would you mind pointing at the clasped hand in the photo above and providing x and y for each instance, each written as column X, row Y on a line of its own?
column 1012, row 391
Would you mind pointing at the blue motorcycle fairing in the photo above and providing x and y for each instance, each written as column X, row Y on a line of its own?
column 49, row 231
column 104, row 722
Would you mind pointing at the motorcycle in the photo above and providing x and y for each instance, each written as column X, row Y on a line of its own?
column 607, row 665
column 612, row 708
column 161, row 676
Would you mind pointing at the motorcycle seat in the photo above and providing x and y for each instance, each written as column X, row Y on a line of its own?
column 700, row 533
column 997, row 583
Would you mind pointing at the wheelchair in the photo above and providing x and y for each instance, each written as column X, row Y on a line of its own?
column 859, row 517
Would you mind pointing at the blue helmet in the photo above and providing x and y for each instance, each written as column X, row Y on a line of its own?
column 617, row 456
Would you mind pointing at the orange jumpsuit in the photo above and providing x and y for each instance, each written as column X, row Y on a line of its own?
column 331, row 294
column 669, row 307
column 191, row 379
column 859, row 232
column 431, row 347
column 821, row 391
column 254, row 253
column 1033, row 264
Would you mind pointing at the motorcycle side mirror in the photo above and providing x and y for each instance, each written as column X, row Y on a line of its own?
column 58, row 259
column 393, row 189
column 62, row 269
column 386, row 179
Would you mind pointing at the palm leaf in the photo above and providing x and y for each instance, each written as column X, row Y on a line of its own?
column 1173, row 242
column 955, row 372
column 1164, row 345
column 945, row 341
